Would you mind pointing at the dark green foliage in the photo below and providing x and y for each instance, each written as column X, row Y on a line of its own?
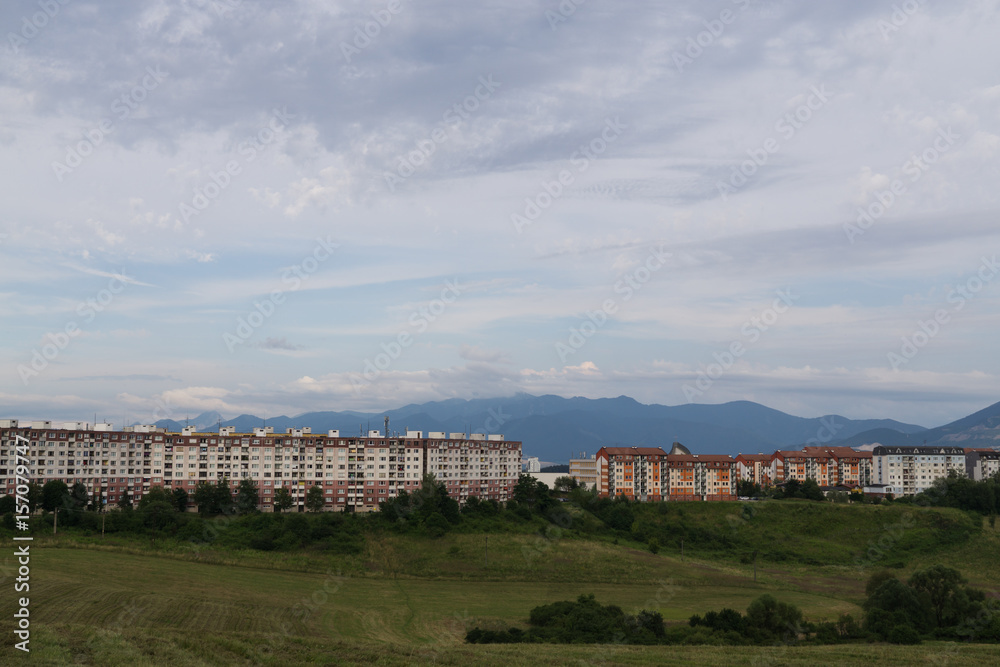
column 413, row 511
column 156, row 494
column 586, row 621
column 282, row 500
column 180, row 499
column 206, row 499
column 808, row 490
column 903, row 634
column 582, row 622
column 35, row 496
column 314, row 499
column 54, row 495
column 876, row 580
column 247, row 497
column 125, row 501
column 982, row 497
column 8, row 504
column 935, row 600
column 78, row 497
column 944, row 590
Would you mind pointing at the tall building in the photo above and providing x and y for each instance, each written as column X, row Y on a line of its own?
column 981, row 464
column 355, row 472
column 910, row 470
column 584, row 471
column 649, row 473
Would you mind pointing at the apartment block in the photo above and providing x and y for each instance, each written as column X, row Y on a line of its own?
column 584, row 471
column 911, row 470
column 638, row 473
column 755, row 468
column 649, row 473
column 355, row 472
column 828, row 466
column 982, row 463
column 701, row 477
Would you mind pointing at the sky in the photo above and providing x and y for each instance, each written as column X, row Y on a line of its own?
column 277, row 208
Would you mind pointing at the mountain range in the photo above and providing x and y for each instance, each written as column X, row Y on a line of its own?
column 555, row 428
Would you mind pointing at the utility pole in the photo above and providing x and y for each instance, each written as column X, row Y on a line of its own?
column 54, row 520
column 102, row 525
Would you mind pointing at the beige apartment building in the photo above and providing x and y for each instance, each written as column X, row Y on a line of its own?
column 355, row 472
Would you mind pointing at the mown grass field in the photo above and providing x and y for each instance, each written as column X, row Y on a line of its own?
column 409, row 600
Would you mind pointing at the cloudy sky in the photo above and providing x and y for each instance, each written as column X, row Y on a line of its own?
column 284, row 207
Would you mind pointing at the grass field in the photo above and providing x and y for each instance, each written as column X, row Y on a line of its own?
column 410, row 600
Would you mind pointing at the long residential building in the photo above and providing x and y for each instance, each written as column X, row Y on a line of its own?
column 905, row 471
column 649, row 473
column 355, row 472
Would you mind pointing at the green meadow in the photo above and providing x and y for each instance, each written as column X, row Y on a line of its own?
column 407, row 599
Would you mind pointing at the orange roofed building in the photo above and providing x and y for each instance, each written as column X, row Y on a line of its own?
column 649, row 473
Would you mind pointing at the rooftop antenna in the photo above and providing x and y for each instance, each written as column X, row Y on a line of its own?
column 387, row 426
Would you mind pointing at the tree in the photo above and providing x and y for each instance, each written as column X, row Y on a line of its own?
column 792, row 487
column 247, row 496
column 180, row 499
column 224, row 496
column 156, row 494
column 97, row 501
column 747, row 488
column 942, row 588
column 8, row 504
column 79, row 497
column 35, row 496
column 565, row 483
column 314, row 499
column 206, row 499
column 54, row 494
column 777, row 618
column 282, row 500
column 810, row 490
column 893, row 604
column 125, row 502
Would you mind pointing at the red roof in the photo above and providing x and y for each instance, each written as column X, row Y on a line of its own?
column 633, row 451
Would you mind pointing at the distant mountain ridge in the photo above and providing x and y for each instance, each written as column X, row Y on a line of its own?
column 980, row 429
column 555, row 428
